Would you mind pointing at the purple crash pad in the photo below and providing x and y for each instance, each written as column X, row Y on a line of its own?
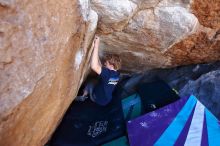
column 184, row 122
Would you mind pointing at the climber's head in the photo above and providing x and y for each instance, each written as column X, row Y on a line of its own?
column 112, row 61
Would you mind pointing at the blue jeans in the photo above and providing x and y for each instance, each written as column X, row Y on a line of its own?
column 90, row 89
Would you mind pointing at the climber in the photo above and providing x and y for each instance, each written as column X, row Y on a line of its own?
column 101, row 91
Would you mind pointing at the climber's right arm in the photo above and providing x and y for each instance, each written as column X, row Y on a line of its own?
column 95, row 63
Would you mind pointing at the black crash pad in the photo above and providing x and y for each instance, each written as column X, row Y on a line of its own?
column 156, row 94
column 88, row 124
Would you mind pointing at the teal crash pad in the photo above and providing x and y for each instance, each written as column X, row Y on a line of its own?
column 131, row 107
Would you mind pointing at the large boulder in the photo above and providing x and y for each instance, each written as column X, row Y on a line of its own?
column 159, row 33
column 43, row 59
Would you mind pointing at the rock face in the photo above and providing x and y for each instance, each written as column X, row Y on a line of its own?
column 159, row 33
column 206, row 88
column 43, row 58
column 207, row 12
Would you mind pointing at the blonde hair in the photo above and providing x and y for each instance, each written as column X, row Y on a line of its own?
column 114, row 60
